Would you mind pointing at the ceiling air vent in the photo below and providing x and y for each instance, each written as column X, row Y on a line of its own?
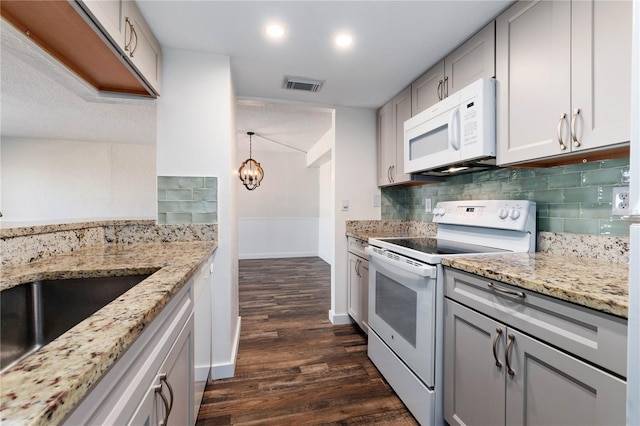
column 302, row 83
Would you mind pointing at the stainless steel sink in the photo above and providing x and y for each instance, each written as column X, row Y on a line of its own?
column 34, row 314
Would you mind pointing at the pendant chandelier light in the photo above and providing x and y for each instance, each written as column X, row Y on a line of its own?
column 250, row 172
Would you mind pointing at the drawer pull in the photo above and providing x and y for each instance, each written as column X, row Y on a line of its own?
column 510, row 370
column 158, row 389
column 495, row 344
column 505, row 290
column 574, row 135
column 562, row 145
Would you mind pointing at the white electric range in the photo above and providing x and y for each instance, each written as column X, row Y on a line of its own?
column 406, row 291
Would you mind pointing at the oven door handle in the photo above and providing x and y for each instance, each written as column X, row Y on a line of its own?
column 404, row 263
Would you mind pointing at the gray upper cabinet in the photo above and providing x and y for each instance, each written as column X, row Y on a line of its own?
column 122, row 22
column 109, row 14
column 563, row 71
column 427, row 90
column 141, row 46
column 391, row 118
column 474, row 59
column 386, row 144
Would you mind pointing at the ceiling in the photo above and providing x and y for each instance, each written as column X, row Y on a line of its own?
column 278, row 126
column 394, row 42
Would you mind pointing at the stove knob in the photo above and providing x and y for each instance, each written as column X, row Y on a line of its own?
column 514, row 214
column 503, row 213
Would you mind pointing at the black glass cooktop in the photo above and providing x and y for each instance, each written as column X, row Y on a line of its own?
column 435, row 246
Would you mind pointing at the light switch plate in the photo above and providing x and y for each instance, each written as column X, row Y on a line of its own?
column 427, row 205
column 345, row 205
column 377, row 200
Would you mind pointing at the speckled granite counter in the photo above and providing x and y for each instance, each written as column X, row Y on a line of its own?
column 599, row 285
column 365, row 229
column 46, row 386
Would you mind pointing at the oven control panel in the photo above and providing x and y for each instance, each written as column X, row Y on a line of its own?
column 516, row 215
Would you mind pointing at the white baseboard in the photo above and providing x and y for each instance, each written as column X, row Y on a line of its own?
column 277, row 255
column 339, row 319
column 226, row 370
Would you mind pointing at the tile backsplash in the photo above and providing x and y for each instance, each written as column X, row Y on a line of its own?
column 187, row 199
column 574, row 198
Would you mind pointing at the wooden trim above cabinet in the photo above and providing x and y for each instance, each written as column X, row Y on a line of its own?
column 60, row 30
column 605, row 153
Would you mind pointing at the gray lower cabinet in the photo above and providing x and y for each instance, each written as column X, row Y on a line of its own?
column 358, row 296
column 497, row 374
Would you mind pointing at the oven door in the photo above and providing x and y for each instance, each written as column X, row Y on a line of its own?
column 402, row 309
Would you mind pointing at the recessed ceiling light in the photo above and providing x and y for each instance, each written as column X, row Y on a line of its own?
column 275, row 31
column 343, row 40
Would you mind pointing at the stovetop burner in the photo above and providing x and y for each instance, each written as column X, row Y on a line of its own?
column 429, row 245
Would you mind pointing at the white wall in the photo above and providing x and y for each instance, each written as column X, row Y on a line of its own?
column 325, row 228
column 58, row 180
column 196, row 137
column 280, row 217
column 354, row 153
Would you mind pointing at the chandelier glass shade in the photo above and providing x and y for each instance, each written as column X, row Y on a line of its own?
column 250, row 172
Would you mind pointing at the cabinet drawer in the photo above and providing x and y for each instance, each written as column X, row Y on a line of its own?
column 591, row 335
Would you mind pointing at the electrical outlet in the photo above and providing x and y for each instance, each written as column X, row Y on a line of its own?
column 620, row 201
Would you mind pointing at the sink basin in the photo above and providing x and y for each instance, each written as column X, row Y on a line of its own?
column 34, row 314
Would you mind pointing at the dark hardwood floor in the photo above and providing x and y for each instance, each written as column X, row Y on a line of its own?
column 294, row 367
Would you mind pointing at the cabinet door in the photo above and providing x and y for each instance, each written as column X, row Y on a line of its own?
column 364, row 298
column 144, row 50
column 355, row 289
column 475, row 59
column 549, row 387
column 474, row 390
column 533, row 48
column 427, row 90
column 386, row 144
column 178, row 368
column 401, row 113
column 601, row 72
column 108, row 14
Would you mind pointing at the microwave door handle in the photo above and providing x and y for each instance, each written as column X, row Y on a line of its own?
column 454, row 129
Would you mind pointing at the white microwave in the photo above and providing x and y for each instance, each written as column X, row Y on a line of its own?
column 456, row 135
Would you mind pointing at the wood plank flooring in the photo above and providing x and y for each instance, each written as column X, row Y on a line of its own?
column 294, row 367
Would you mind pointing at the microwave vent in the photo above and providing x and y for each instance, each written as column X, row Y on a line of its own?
column 302, row 83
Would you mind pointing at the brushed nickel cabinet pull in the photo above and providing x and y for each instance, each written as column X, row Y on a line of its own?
column 445, row 87
column 135, row 33
column 506, row 290
column 158, row 389
column 127, row 43
column 510, row 370
column 562, row 145
column 392, row 179
column 440, row 93
column 163, row 378
column 495, row 350
column 574, row 135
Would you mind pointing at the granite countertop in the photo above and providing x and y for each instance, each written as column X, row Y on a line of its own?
column 599, row 285
column 46, row 386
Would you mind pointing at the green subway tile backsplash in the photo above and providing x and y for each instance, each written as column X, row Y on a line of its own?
column 187, row 199
column 574, row 198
